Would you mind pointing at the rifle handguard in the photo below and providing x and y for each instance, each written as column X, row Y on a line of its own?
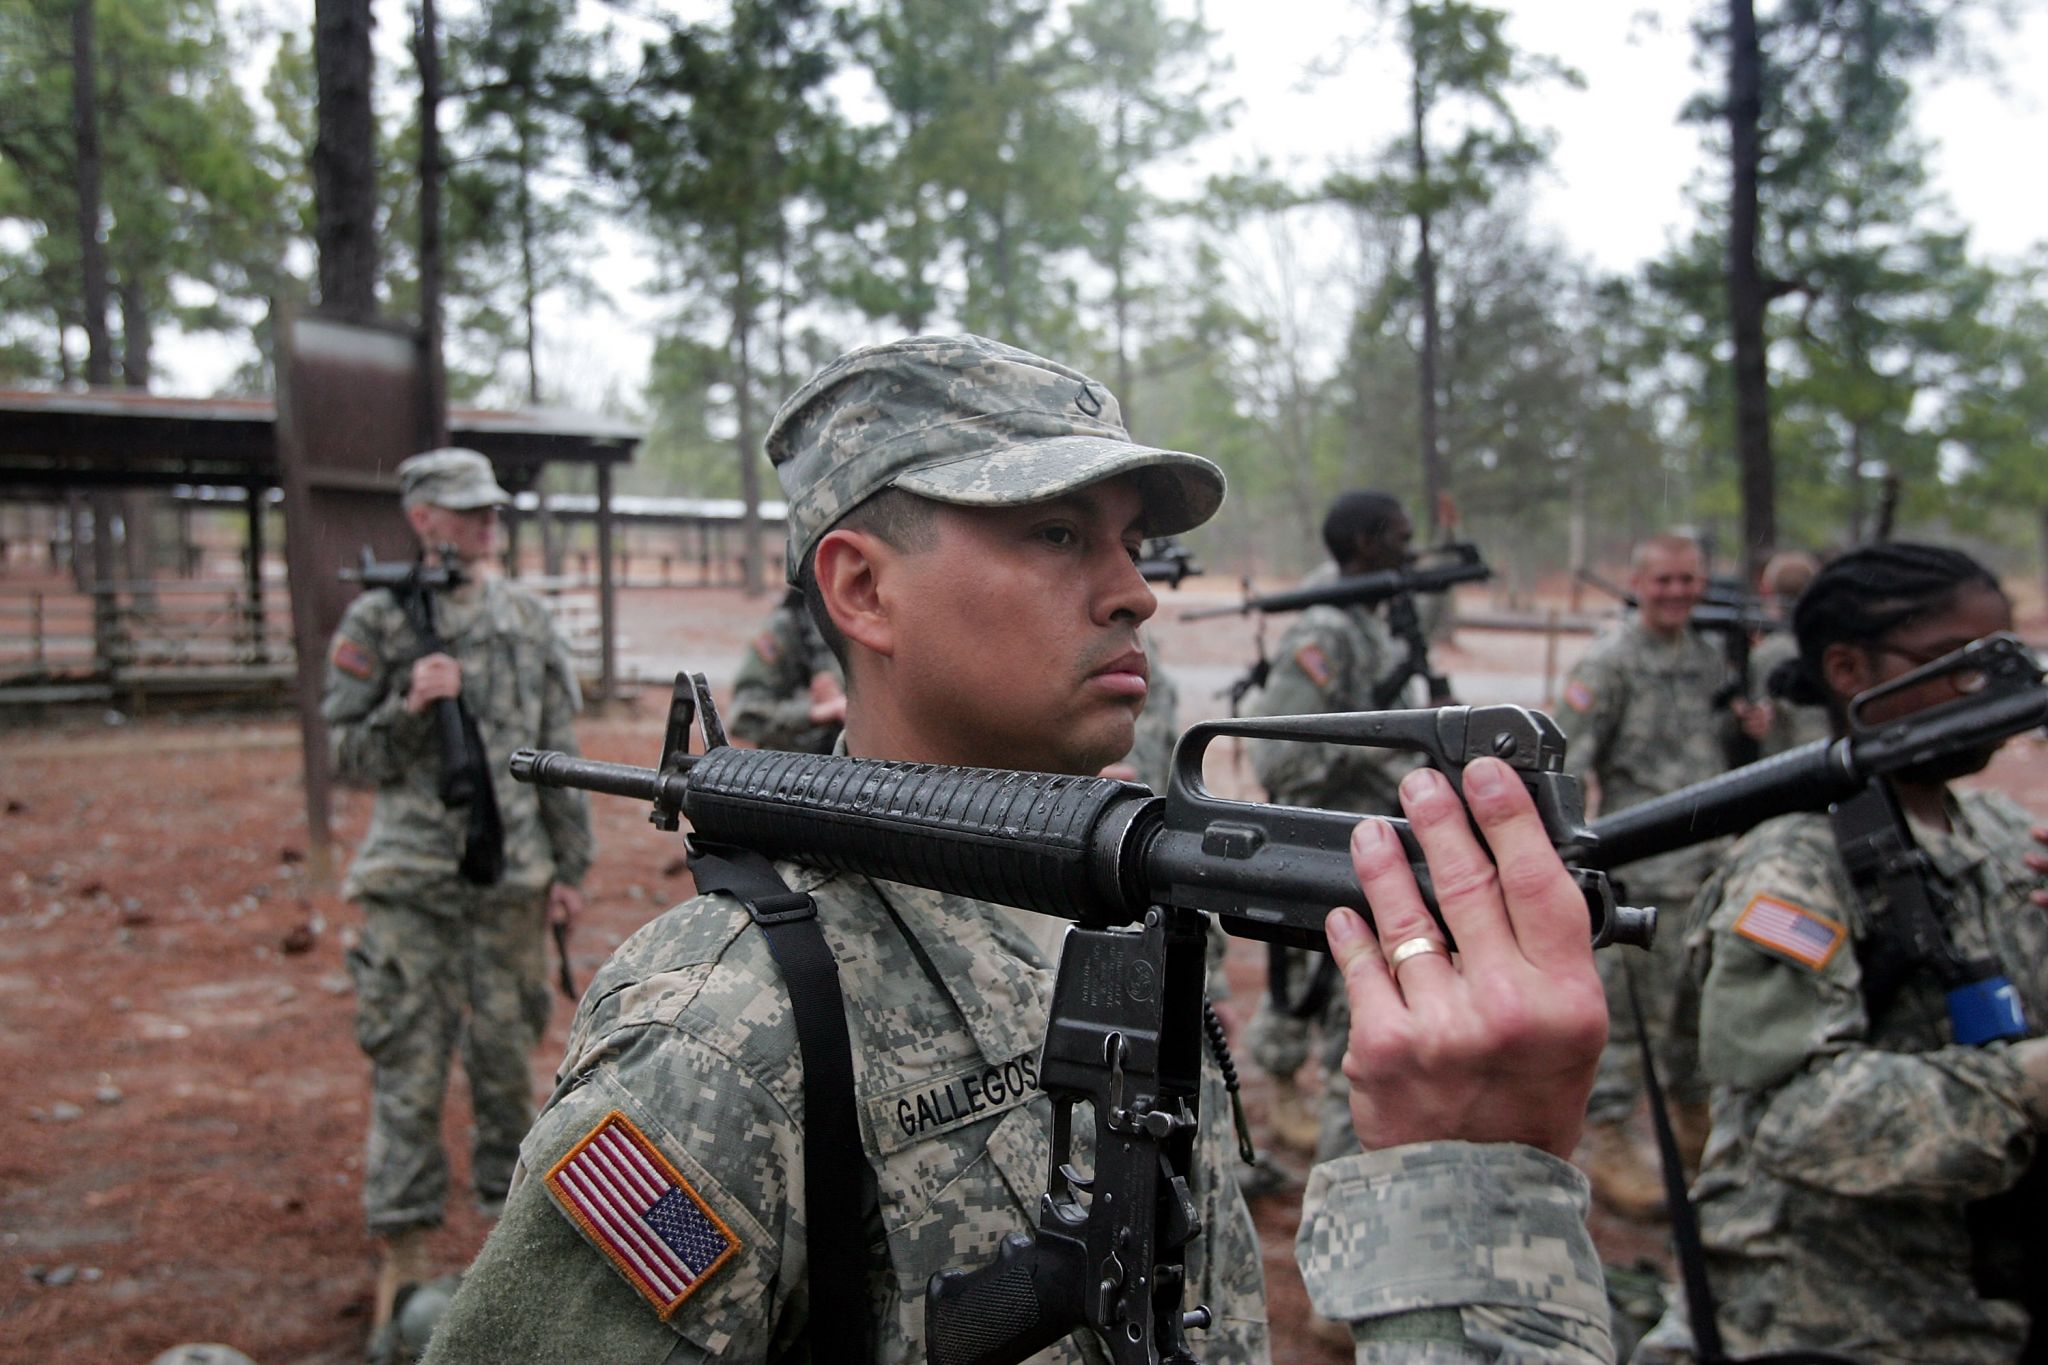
column 1039, row 841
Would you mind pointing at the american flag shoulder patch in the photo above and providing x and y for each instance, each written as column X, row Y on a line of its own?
column 637, row 1209
column 1785, row 928
column 352, row 659
column 1315, row 663
column 1578, row 696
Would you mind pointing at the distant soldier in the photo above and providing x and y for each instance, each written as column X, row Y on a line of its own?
column 1331, row 659
column 1792, row 724
column 1639, row 713
column 789, row 692
column 452, row 949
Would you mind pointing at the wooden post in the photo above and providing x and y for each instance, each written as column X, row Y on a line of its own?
column 607, row 591
column 252, row 577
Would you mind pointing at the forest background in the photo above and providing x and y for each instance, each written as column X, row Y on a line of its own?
column 790, row 177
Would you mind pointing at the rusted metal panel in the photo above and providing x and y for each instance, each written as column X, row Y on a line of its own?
column 351, row 400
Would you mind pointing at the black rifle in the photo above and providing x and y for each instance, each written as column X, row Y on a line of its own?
column 2007, row 698
column 465, row 765
column 1168, row 561
column 1396, row 587
column 1365, row 589
column 1127, row 1021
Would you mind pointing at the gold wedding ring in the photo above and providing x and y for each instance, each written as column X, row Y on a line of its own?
column 1415, row 947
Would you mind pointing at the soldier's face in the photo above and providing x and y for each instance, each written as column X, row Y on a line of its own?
column 1389, row 548
column 1017, row 645
column 1977, row 611
column 1667, row 585
column 472, row 534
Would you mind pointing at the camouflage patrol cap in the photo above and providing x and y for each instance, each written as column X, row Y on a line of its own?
column 451, row 477
column 970, row 422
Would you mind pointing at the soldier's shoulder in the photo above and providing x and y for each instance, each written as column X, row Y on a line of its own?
column 699, row 969
column 371, row 611
column 1613, row 643
column 1323, row 624
column 522, row 604
column 1802, row 836
column 1791, row 857
column 1998, row 819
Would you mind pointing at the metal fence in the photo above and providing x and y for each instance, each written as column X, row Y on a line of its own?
column 180, row 632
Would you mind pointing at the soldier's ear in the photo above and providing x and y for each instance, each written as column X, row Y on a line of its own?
column 1847, row 669
column 850, row 566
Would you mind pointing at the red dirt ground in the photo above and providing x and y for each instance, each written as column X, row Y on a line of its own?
column 185, row 1102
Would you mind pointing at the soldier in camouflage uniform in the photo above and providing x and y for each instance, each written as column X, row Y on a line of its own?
column 789, row 692
column 442, row 960
column 1639, row 713
column 1331, row 659
column 978, row 578
column 1849, row 1134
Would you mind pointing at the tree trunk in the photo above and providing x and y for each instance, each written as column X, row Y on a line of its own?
column 1746, row 295
column 137, row 334
column 92, row 255
column 1425, row 281
column 66, row 372
column 751, row 576
column 783, row 381
column 1859, row 487
column 344, row 160
column 426, row 51
column 529, row 291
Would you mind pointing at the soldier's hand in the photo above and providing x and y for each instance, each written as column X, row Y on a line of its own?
column 1754, row 717
column 433, row 677
column 1500, row 1043
column 1119, row 772
column 565, row 905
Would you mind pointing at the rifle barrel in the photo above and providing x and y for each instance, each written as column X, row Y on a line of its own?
column 1358, row 589
column 1813, row 776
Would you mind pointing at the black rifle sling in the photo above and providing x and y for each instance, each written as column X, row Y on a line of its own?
column 840, row 1196
column 1685, row 1223
column 1888, row 869
column 483, row 843
column 466, row 764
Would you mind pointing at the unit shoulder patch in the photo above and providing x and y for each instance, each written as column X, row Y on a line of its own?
column 1578, row 696
column 351, row 658
column 637, row 1209
column 769, row 646
column 1311, row 659
column 1790, row 931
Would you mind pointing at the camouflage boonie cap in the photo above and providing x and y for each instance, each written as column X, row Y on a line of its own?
column 967, row 421
column 451, row 477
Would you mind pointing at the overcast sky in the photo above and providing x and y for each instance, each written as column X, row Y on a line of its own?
column 1622, row 161
column 1614, row 191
